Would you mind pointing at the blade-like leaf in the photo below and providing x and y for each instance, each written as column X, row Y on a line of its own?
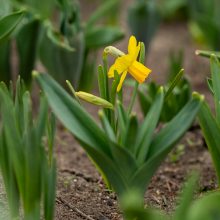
column 215, row 70
column 5, row 64
column 205, row 208
column 175, row 81
column 210, row 85
column 211, row 131
column 102, row 36
column 9, row 23
column 61, row 63
column 165, row 140
column 147, row 128
column 91, row 137
column 50, row 191
column 27, row 39
column 186, row 198
column 102, row 11
column 131, row 134
column 108, row 167
column 72, row 115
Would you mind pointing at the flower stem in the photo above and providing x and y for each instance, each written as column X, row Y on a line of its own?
column 133, row 97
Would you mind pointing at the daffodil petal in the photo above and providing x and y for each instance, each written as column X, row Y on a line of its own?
column 139, row 71
column 133, row 48
column 121, row 64
column 132, row 44
column 121, row 81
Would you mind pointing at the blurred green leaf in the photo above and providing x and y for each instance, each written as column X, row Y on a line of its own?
column 61, row 63
column 5, row 67
column 102, row 36
column 106, row 8
column 215, row 71
column 186, row 198
column 173, row 84
column 9, row 23
column 205, row 208
column 132, row 206
column 37, row 8
column 210, row 85
column 143, row 20
column 58, row 39
column 50, row 191
column 211, row 131
column 5, row 8
column 27, row 42
column 22, row 156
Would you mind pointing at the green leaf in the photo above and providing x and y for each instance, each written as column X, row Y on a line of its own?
column 102, row 36
column 8, row 173
column 125, row 162
column 49, row 191
column 210, row 85
column 215, row 71
column 146, row 130
column 173, row 84
column 209, row 29
column 132, row 206
column 102, row 11
column 42, row 117
column 143, row 14
column 5, row 64
column 108, row 167
column 27, row 39
column 211, row 131
column 5, row 8
column 72, row 115
column 58, row 39
column 107, row 126
column 169, row 8
column 186, row 198
column 114, row 87
column 61, row 63
column 131, row 134
column 91, row 137
column 146, row 95
column 12, row 138
column 9, row 23
column 101, row 82
column 37, row 8
column 122, row 121
column 205, row 208
column 165, row 140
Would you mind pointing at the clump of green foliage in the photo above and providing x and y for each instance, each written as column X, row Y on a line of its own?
column 27, row 163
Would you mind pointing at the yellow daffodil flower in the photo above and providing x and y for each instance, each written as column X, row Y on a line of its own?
column 128, row 63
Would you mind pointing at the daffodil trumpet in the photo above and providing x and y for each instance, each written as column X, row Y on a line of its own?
column 127, row 63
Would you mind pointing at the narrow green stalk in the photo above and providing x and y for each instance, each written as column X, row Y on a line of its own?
column 105, row 69
column 72, row 90
column 134, row 94
column 109, row 113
